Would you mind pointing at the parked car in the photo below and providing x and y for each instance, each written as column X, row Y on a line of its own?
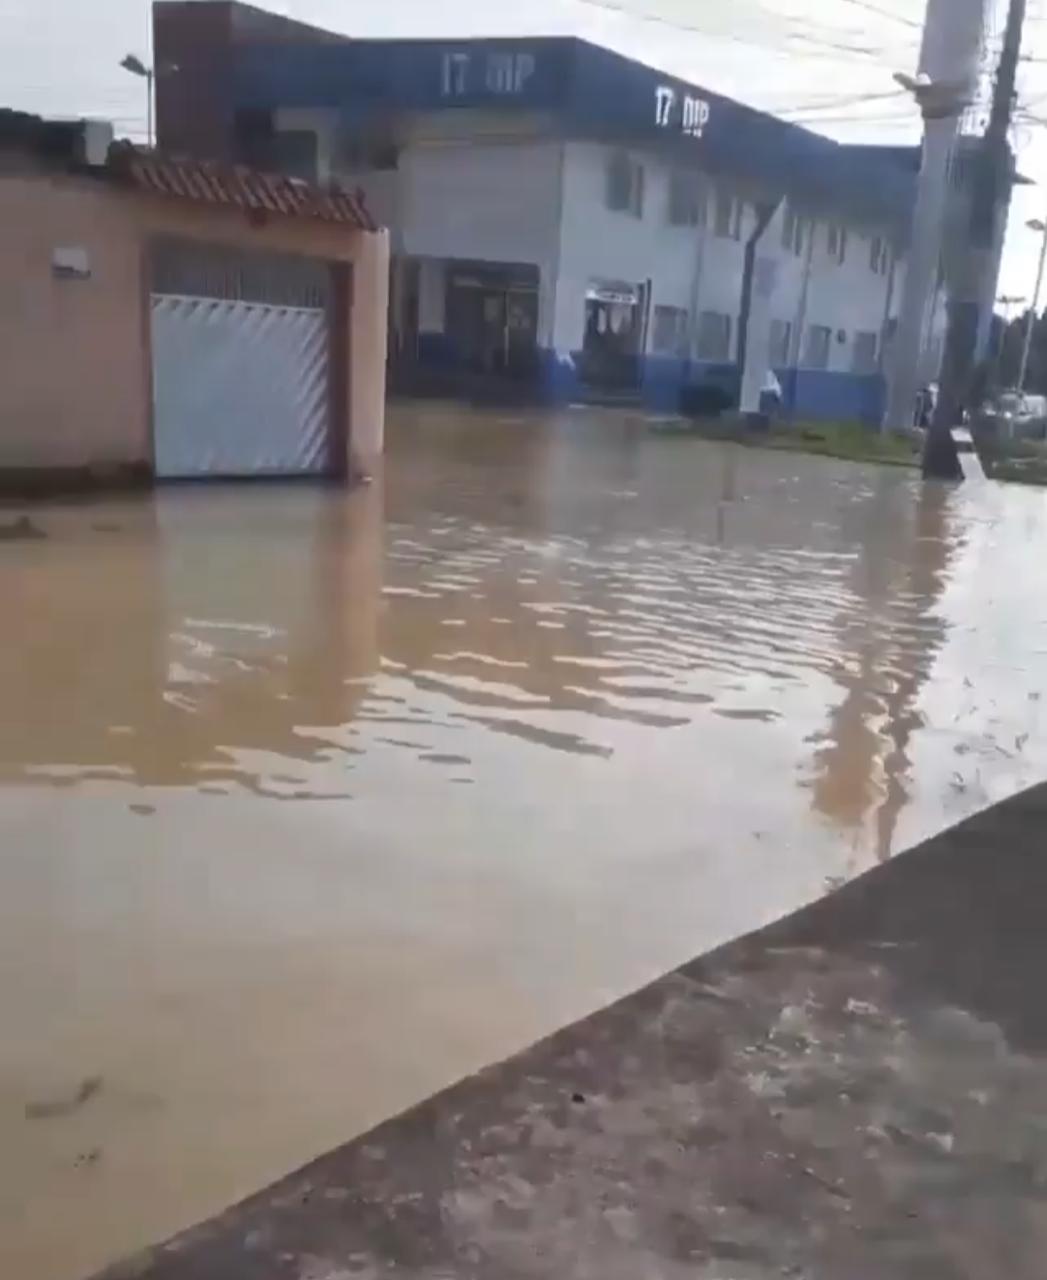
column 1015, row 415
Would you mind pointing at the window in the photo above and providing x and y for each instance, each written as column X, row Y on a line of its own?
column 863, row 358
column 838, row 243
column 879, row 256
column 355, row 157
column 818, row 341
column 728, row 215
column 687, row 205
column 714, row 336
column 670, row 331
column 780, row 348
column 793, row 230
column 625, row 184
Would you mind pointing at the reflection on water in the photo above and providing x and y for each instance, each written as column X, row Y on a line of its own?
column 188, row 633
column 886, row 654
column 558, row 704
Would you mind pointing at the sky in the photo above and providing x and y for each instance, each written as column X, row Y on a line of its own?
column 825, row 63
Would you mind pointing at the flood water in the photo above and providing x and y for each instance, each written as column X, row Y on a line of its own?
column 313, row 802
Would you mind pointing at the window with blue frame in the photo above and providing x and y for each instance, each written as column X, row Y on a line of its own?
column 625, row 183
column 879, row 256
column 793, row 232
column 687, row 199
column 780, row 347
column 669, row 337
column 819, row 342
column 728, row 215
column 863, row 357
column 714, row 337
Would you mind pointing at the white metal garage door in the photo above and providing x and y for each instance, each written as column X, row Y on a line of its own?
column 240, row 348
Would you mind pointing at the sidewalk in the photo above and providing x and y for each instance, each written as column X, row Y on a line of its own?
column 857, row 1093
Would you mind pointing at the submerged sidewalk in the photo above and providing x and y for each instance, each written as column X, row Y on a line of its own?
column 857, row 1093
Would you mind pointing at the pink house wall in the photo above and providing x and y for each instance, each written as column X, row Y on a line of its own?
column 74, row 353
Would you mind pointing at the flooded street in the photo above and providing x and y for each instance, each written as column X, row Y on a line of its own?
column 312, row 802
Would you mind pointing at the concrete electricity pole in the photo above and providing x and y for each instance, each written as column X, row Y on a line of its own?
column 990, row 196
column 1034, row 224
column 943, row 88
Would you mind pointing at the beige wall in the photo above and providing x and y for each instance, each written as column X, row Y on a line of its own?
column 74, row 354
column 72, row 369
column 368, row 338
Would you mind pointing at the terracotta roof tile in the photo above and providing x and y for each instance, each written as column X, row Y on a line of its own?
column 239, row 186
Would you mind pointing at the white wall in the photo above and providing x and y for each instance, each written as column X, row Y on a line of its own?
column 847, row 296
column 484, row 201
column 381, row 192
column 322, row 123
column 491, row 202
column 792, row 286
column 699, row 271
column 541, row 201
column 600, row 244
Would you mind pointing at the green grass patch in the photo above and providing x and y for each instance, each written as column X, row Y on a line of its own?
column 851, row 441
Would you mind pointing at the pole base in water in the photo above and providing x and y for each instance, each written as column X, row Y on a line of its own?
column 941, row 461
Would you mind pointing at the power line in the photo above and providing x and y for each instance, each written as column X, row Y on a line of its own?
column 832, row 104
column 780, row 50
column 898, row 118
column 862, row 4
column 843, row 100
column 825, row 28
column 884, row 13
column 864, row 51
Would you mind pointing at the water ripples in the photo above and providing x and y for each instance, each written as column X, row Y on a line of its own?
column 507, row 593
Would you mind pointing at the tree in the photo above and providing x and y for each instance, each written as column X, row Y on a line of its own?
column 1008, row 339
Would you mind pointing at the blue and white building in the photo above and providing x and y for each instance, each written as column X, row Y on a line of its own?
column 564, row 220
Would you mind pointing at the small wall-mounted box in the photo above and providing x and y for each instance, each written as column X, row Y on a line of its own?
column 70, row 263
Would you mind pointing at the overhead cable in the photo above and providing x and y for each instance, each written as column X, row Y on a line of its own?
column 781, row 49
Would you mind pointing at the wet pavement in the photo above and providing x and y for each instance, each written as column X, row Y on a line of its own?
column 314, row 803
column 857, row 1092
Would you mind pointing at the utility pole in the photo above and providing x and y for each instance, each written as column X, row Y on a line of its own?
column 990, row 193
column 1034, row 224
column 137, row 67
column 1005, row 301
column 943, row 88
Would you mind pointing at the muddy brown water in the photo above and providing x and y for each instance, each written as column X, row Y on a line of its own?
column 313, row 802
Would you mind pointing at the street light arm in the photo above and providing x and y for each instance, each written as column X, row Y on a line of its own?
column 937, row 98
column 131, row 62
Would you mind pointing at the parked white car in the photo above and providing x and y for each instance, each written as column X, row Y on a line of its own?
column 1019, row 416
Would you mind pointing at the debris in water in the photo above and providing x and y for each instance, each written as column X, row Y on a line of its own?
column 87, row 1089
column 20, row 530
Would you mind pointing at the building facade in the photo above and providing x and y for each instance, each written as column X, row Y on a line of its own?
column 165, row 319
column 564, row 221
